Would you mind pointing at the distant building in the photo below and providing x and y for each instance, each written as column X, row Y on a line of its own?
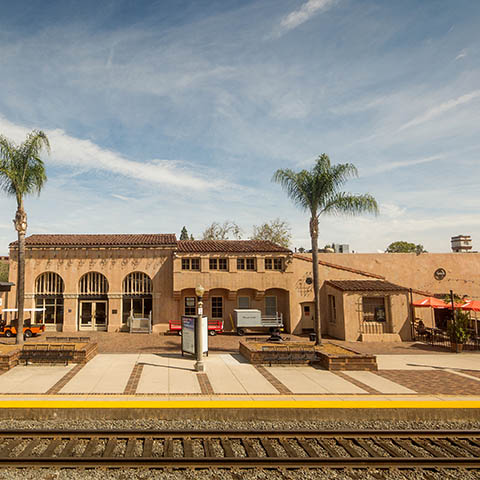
column 341, row 247
column 461, row 243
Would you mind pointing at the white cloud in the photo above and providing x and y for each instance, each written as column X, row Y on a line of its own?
column 462, row 54
column 74, row 152
column 391, row 210
column 387, row 166
column 122, row 197
column 304, row 13
column 440, row 109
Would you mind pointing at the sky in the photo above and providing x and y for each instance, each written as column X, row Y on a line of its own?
column 168, row 113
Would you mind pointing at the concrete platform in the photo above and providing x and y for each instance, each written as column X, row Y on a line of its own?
column 140, row 385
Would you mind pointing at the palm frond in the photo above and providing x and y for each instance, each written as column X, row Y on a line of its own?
column 21, row 169
column 35, row 142
column 296, row 185
column 349, row 204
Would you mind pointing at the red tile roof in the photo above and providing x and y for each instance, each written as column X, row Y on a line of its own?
column 229, row 246
column 365, row 286
column 340, row 267
column 100, row 240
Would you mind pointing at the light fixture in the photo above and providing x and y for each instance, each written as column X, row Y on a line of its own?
column 199, row 291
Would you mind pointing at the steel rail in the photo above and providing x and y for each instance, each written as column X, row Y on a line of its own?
column 240, row 433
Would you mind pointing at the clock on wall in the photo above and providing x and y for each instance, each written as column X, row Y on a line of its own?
column 440, row 274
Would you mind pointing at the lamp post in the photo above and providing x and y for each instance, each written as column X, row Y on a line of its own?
column 199, row 365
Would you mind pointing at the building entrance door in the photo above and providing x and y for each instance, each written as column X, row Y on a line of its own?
column 93, row 315
column 308, row 316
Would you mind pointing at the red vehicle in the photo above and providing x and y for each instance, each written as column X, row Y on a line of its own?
column 29, row 330
column 214, row 326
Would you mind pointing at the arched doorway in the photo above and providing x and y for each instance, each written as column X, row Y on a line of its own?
column 49, row 288
column 136, row 296
column 93, row 302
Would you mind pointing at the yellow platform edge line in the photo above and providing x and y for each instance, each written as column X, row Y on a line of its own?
column 253, row 404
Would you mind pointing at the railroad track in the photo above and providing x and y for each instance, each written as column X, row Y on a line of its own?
column 277, row 449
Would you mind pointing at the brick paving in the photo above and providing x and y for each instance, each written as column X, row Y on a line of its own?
column 133, row 380
column 205, row 385
column 123, row 342
column 358, row 384
column 433, row 382
column 282, row 389
column 65, row 379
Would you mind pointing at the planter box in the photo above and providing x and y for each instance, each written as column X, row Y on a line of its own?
column 329, row 356
column 10, row 356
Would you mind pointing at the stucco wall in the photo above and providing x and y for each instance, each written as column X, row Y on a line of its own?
column 114, row 264
column 301, row 291
column 416, row 271
column 397, row 314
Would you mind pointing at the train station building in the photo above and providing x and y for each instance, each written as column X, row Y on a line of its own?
column 96, row 282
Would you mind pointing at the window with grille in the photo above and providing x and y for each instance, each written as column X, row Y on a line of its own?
column 137, row 283
column 190, row 306
column 218, row 264
column 49, row 283
column 273, row 264
column 373, row 309
column 93, row 283
column 137, row 296
column 245, row 264
column 270, row 306
column 49, row 288
column 190, row 264
column 332, row 309
column 243, row 302
column 217, row 307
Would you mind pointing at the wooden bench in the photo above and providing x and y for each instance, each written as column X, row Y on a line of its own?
column 68, row 339
column 44, row 353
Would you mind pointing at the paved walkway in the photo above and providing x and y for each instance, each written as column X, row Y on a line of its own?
column 230, row 376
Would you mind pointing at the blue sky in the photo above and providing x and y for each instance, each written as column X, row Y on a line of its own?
column 169, row 113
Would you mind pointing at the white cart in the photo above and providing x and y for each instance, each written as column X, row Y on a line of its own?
column 252, row 319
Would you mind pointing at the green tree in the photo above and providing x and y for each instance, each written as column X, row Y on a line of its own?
column 405, row 247
column 184, row 234
column 3, row 271
column 217, row 231
column 277, row 231
column 317, row 191
column 22, row 172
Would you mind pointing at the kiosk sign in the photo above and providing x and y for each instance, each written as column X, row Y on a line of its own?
column 188, row 334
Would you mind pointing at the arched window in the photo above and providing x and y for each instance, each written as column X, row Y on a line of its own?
column 137, row 296
column 93, row 283
column 49, row 288
column 137, row 283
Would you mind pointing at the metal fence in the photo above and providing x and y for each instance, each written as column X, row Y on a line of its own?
column 441, row 338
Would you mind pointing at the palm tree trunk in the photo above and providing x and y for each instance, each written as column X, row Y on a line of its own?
column 21, row 227
column 316, row 280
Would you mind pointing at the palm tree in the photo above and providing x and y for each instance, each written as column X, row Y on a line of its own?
column 318, row 191
column 22, row 172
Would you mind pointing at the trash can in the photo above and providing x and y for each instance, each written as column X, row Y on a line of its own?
column 313, row 337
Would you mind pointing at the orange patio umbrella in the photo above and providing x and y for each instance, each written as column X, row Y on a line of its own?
column 430, row 302
column 473, row 305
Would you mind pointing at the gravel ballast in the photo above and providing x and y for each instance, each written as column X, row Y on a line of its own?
column 222, row 474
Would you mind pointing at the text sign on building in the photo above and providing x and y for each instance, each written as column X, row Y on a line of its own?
column 188, row 334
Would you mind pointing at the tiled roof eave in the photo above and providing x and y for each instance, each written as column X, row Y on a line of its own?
column 366, row 286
